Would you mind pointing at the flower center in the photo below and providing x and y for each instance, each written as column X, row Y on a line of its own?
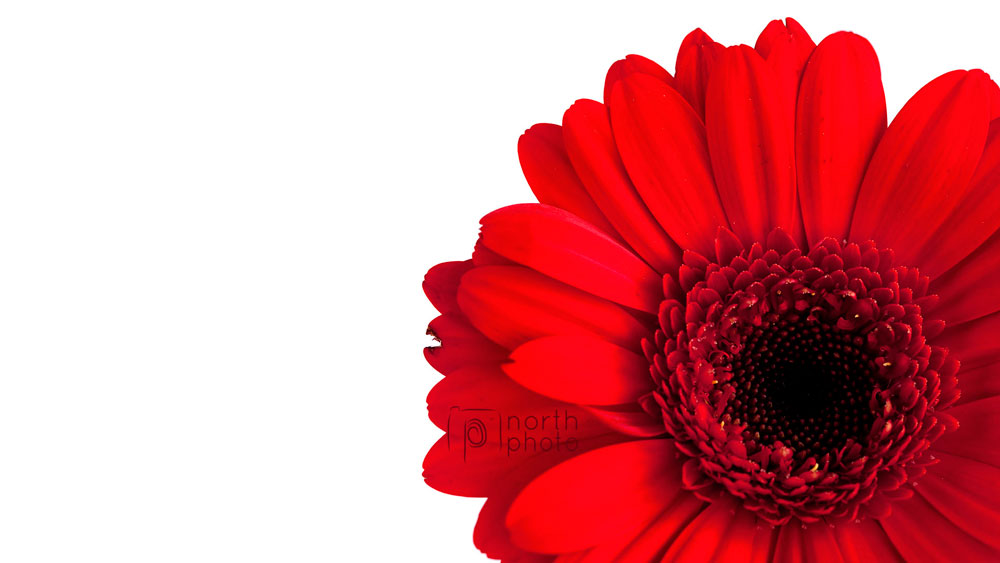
column 804, row 384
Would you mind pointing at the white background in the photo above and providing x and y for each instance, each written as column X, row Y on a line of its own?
column 214, row 221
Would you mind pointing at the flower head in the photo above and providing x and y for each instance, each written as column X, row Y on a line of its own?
column 745, row 321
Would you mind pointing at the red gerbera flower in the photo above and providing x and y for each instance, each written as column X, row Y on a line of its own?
column 733, row 326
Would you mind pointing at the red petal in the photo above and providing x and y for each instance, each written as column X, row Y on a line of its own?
column 583, row 501
column 978, row 434
column 651, row 541
column 512, row 305
column 478, row 388
column 450, row 469
column 481, row 410
column 763, row 543
column 460, row 345
column 634, row 64
column 727, row 246
column 750, row 140
column 973, row 221
column 663, row 146
column 979, row 383
column 564, row 247
column 551, row 177
column 721, row 529
column 821, row 544
column 742, row 540
column 971, row 289
column 491, row 535
column 973, row 477
column 580, row 369
column 973, row 343
column 921, row 533
column 966, row 508
column 632, row 421
column 441, row 284
column 786, row 48
column 786, row 39
column 591, row 148
column 923, row 164
column 790, row 548
column 865, row 541
column 994, row 101
column 696, row 58
column 840, row 119
column 482, row 256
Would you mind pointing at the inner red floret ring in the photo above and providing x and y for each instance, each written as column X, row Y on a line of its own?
column 804, row 384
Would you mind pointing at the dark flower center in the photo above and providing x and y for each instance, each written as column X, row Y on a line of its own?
column 804, row 384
